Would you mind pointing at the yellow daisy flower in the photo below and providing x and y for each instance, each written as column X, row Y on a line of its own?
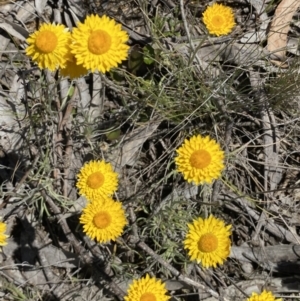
column 72, row 69
column 99, row 43
column 147, row 289
column 3, row 236
column 97, row 179
column 264, row 296
column 208, row 241
column 103, row 220
column 219, row 19
column 200, row 160
column 48, row 46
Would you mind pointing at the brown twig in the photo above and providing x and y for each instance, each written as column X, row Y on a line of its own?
column 175, row 272
column 69, row 142
column 269, row 224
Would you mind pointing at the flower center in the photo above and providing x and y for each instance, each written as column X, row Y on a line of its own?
column 148, row 297
column 46, row 41
column 102, row 220
column 95, row 180
column 208, row 243
column 200, row 159
column 217, row 21
column 99, row 42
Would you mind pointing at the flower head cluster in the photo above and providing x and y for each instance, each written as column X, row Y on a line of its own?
column 3, row 236
column 103, row 218
column 99, row 43
column 208, row 241
column 200, row 160
column 147, row 289
column 48, row 46
column 97, row 179
column 72, row 69
column 219, row 19
column 264, row 296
